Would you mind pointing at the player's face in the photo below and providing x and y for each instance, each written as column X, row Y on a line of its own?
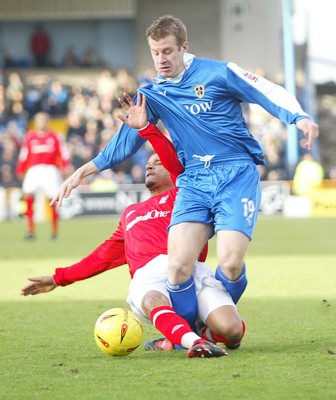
column 156, row 174
column 167, row 56
column 41, row 121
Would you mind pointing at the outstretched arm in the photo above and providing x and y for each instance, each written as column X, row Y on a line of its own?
column 74, row 181
column 38, row 285
column 108, row 255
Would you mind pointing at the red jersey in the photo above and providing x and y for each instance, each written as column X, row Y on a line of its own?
column 42, row 148
column 142, row 231
column 141, row 235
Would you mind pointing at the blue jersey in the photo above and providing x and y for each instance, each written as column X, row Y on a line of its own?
column 203, row 115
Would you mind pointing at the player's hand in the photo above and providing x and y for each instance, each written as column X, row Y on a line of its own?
column 74, row 181
column 38, row 285
column 66, row 188
column 310, row 130
column 136, row 113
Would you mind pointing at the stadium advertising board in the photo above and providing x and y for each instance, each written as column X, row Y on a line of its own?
column 276, row 199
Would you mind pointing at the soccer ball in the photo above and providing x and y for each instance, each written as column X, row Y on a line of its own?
column 118, row 332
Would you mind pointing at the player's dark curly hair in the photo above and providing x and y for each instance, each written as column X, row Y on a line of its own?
column 168, row 25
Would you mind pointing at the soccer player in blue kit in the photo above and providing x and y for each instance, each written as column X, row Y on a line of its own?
column 199, row 102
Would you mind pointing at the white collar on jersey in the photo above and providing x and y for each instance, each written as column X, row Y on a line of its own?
column 188, row 58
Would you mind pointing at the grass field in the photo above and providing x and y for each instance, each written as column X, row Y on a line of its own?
column 48, row 352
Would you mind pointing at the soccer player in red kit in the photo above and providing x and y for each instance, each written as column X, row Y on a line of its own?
column 140, row 240
column 42, row 157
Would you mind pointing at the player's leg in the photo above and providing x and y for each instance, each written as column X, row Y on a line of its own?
column 51, row 182
column 149, row 299
column 231, row 251
column 165, row 319
column 29, row 199
column 185, row 242
column 216, row 308
column 29, row 188
column 224, row 325
column 236, row 213
column 54, row 221
column 175, row 328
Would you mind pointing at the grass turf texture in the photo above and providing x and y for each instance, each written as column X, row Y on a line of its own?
column 47, row 348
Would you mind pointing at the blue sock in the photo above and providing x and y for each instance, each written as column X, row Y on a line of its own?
column 237, row 287
column 184, row 301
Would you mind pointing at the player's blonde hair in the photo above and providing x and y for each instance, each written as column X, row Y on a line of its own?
column 168, row 25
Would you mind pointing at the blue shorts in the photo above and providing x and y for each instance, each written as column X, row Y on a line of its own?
column 226, row 195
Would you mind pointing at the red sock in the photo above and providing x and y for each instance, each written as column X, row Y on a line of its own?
column 216, row 338
column 54, row 217
column 30, row 213
column 170, row 324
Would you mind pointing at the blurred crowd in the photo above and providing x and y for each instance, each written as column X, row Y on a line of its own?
column 85, row 114
column 88, row 112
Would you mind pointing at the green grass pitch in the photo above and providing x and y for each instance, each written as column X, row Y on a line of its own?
column 48, row 351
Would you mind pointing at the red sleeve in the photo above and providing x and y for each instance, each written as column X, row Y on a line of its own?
column 108, row 255
column 164, row 148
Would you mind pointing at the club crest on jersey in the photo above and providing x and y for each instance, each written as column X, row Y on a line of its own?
column 199, row 91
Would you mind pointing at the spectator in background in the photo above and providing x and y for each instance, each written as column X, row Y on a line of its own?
column 42, row 157
column 8, row 160
column 76, row 125
column 57, row 99
column 15, row 88
column 10, row 182
column 308, row 176
column 89, row 58
column 274, row 149
column 108, row 123
column 19, row 115
column 40, row 46
column 80, row 153
column 36, row 94
column 13, row 134
column 137, row 174
column 106, row 84
column 69, row 59
column 104, row 182
column 92, row 135
column 3, row 116
column 8, row 178
column 126, row 82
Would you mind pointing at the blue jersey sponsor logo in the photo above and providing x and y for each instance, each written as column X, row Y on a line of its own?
column 197, row 108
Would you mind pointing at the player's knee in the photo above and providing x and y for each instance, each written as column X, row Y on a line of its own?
column 231, row 267
column 237, row 331
column 234, row 331
column 178, row 272
column 153, row 299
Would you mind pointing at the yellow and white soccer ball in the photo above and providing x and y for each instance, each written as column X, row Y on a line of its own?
column 118, row 332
